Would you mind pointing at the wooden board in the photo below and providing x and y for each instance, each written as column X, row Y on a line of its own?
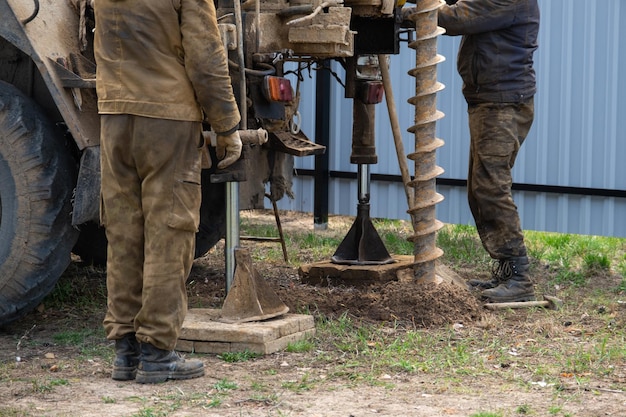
column 203, row 333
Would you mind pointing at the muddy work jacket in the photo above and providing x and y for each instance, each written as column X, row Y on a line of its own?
column 163, row 59
column 495, row 58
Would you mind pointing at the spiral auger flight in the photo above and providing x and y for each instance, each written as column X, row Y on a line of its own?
column 425, row 197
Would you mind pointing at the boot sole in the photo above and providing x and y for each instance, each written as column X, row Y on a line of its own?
column 480, row 286
column 124, row 373
column 156, row 377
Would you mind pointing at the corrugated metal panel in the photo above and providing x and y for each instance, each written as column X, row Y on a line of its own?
column 578, row 138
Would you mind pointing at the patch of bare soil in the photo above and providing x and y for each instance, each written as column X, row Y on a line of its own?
column 43, row 376
column 403, row 300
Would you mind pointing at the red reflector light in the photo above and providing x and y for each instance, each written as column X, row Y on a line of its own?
column 277, row 88
column 373, row 92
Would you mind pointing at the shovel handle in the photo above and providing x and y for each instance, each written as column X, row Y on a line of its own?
column 518, row 304
column 549, row 301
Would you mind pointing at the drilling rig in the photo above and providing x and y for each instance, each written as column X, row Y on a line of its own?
column 49, row 126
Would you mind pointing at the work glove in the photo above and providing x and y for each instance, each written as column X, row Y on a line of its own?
column 228, row 149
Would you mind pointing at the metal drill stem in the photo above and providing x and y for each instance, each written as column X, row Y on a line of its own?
column 231, row 240
column 364, row 183
column 232, row 231
column 422, row 212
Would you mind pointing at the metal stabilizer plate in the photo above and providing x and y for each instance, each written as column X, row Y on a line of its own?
column 362, row 245
column 250, row 298
column 295, row 144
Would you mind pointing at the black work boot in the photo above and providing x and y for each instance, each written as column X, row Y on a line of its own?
column 158, row 365
column 126, row 358
column 517, row 287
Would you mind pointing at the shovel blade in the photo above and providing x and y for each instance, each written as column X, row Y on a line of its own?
column 250, row 298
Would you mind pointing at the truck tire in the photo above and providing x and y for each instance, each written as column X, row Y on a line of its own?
column 37, row 175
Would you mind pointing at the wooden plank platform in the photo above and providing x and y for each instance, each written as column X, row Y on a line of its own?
column 202, row 333
column 327, row 273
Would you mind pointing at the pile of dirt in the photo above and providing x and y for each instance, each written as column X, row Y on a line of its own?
column 402, row 301
column 411, row 303
column 399, row 301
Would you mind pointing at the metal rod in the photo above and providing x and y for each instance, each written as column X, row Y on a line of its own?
column 395, row 128
column 279, row 226
column 232, row 231
column 363, row 173
column 232, row 188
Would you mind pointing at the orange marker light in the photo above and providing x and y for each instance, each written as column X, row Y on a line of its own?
column 277, row 88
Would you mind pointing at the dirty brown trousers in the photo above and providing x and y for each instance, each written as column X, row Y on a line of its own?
column 497, row 132
column 150, row 207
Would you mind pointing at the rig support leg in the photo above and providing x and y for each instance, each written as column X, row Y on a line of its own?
column 363, row 245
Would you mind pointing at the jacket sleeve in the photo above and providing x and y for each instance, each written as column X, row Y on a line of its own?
column 206, row 64
column 469, row 17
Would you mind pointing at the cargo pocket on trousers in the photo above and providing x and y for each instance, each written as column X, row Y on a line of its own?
column 185, row 214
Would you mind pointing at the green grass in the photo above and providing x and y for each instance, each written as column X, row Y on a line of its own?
column 48, row 385
column 88, row 341
column 571, row 259
column 305, row 383
column 243, row 356
column 150, row 412
column 81, row 287
column 75, row 337
column 300, row 346
column 353, row 353
column 318, row 246
column 224, row 385
column 461, row 245
column 12, row 412
column 581, row 344
column 574, row 258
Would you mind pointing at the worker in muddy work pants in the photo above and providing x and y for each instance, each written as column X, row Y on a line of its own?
column 161, row 72
column 497, row 131
column 495, row 62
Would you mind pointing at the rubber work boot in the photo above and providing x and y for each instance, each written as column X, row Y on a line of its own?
column 516, row 285
column 500, row 272
column 158, row 365
column 126, row 358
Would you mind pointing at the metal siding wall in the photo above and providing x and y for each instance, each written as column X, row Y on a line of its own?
column 577, row 140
